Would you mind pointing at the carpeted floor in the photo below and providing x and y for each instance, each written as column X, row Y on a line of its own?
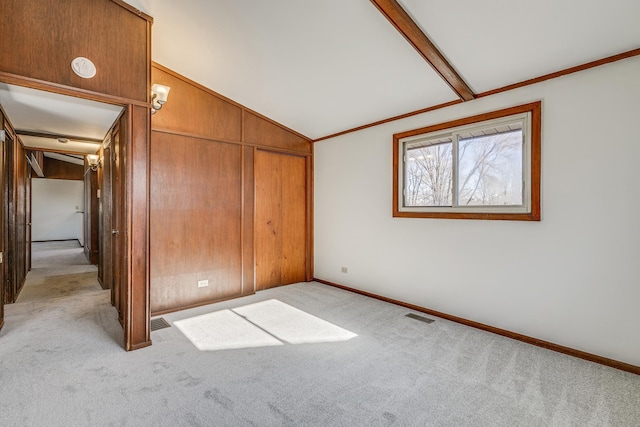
column 62, row 364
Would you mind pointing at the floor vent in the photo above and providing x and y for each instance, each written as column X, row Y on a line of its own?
column 159, row 323
column 420, row 318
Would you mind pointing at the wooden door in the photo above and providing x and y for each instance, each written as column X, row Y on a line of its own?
column 105, row 269
column 117, row 218
column 280, row 219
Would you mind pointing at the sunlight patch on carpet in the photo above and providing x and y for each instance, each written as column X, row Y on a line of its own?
column 223, row 330
column 292, row 325
column 265, row 323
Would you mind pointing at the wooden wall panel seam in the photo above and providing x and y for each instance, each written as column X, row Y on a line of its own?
column 261, row 147
column 242, row 122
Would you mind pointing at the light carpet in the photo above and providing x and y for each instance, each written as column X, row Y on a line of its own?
column 62, row 364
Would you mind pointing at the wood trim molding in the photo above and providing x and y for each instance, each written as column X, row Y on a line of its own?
column 627, row 367
column 224, row 98
column 310, row 218
column 534, row 108
column 136, row 284
column 401, row 20
column 133, row 10
column 226, row 141
column 391, row 119
column 45, row 150
column 200, row 304
column 56, row 136
column 566, row 71
column 68, row 90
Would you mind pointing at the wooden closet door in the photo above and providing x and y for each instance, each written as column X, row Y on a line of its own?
column 280, row 219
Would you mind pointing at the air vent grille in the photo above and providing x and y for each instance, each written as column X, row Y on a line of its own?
column 420, row 318
column 159, row 323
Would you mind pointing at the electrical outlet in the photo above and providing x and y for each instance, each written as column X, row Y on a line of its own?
column 344, row 270
column 203, row 283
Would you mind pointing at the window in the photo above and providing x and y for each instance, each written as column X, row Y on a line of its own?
column 481, row 167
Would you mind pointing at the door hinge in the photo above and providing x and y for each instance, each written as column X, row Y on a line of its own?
column 3, row 135
column 1, row 258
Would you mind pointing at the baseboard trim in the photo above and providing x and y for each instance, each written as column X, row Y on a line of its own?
column 57, row 240
column 503, row 332
column 102, row 285
column 139, row 346
column 197, row 304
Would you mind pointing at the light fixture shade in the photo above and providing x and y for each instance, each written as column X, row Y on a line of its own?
column 161, row 92
column 93, row 159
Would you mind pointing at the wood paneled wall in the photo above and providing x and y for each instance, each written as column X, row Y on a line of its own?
column 57, row 169
column 51, row 33
column 204, row 148
column 17, row 253
column 196, row 209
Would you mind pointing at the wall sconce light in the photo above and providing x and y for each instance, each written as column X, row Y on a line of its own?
column 159, row 94
column 94, row 161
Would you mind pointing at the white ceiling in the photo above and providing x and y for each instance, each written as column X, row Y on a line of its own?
column 322, row 67
column 52, row 144
column 44, row 112
column 494, row 43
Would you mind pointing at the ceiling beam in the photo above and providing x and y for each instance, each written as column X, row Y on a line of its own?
column 400, row 19
column 57, row 136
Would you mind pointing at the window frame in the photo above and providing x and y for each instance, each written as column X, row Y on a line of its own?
column 530, row 211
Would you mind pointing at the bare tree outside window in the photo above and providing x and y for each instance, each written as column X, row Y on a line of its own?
column 429, row 175
column 489, row 171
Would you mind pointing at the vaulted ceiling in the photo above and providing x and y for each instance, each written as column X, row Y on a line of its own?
column 321, row 67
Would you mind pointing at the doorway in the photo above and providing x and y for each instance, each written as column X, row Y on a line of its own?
column 53, row 138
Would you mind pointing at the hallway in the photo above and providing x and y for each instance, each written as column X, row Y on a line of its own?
column 61, row 304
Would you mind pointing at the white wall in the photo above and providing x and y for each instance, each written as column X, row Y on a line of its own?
column 572, row 279
column 54, row 215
